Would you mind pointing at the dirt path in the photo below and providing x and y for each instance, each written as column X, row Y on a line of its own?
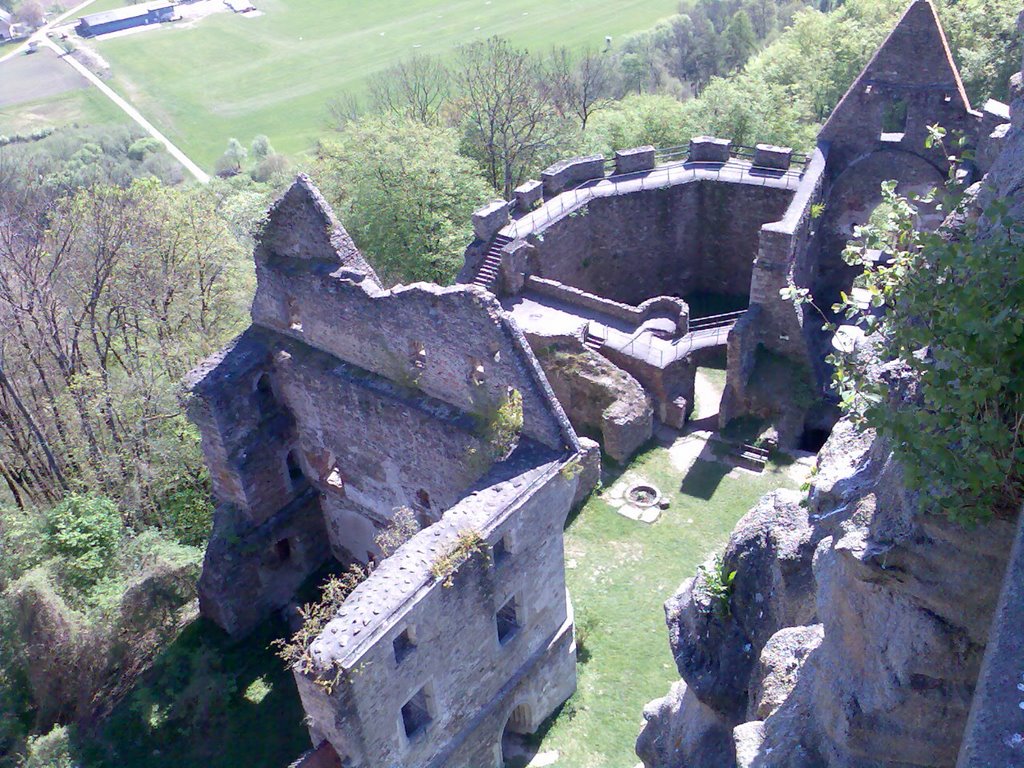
column 129, row 110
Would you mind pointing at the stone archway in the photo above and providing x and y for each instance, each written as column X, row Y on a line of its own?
column 515, row 750
column 852, row 198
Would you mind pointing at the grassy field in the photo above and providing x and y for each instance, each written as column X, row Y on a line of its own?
column 83, row 106
column 621, row 573
column 228, row 75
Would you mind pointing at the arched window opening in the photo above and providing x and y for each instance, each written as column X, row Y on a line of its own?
column 266, row 403
column 295, row 473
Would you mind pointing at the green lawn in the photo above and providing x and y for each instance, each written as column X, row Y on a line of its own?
column 624, row 570
column 233, row 76
column 85, row 106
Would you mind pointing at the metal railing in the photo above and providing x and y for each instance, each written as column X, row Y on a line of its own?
column 704, row 332
column 662, row 175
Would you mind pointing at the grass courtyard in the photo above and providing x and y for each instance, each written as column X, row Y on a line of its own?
column 619, row 573
column 228, row 75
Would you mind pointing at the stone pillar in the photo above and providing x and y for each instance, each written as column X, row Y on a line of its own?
column 568, row 173
column 770, row 156
column 528, row 194
column 489, row 220
column 635, row 159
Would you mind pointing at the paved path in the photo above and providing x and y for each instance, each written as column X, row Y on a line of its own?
column 40, row 34
column 736, row 171
column 129, row 110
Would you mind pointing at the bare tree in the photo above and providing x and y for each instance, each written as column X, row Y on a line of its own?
column 417, row 87
column 578, row 85
column 508, row 121
column 106, row 299
column 342, row 110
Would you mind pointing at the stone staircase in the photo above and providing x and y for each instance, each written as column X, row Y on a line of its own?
column 592, row 342
column 487, row 275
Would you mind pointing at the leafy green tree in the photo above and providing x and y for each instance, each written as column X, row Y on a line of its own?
column 739, row 40
column 84, row 531
column 260, row 149
column 949, row 311
column 405, row 194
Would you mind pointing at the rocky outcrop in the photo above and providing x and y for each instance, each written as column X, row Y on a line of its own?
column 598, row 397
column 855, row 629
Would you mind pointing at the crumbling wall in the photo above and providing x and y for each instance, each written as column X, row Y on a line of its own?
column 700, row 236
column 473, row 677
column 454, row 344
column 599, row 398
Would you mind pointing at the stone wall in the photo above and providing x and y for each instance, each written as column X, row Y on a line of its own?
column 694, row 237
column 473, row 680
column 599, row 398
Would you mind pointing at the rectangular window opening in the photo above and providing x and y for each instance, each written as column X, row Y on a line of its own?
column 507, row 620
column 404, row 644
column 500, row 550
column 416, row 714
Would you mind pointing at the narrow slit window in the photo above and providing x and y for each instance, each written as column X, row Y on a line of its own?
column 500, row 550
column 283, row 551
column 294, row 318
column 295, row 474
column 418, row 355
column 477, row 374
column 507, row 620
column 404, row 644
column 266, row 404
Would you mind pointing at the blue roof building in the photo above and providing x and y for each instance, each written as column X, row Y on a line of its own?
column 124, row 18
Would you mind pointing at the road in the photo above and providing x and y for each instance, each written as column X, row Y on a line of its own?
column 40, row 35
column 131, row 111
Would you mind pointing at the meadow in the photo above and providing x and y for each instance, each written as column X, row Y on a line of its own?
column 232, row 76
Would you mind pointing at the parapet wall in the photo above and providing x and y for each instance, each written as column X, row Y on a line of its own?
column 695, row 237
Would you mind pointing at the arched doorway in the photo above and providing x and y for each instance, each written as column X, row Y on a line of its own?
column 516, row 749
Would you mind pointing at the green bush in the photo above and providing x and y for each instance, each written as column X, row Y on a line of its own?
column 84, row 532
column 952, row 402
column 52, row 750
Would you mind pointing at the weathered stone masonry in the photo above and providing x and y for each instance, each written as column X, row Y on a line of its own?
column 344, row 402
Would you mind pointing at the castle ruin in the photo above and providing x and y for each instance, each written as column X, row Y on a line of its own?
column 345, row 402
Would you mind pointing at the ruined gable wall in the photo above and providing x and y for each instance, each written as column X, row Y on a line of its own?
column 457, row 328
column 457, row 654
column 388, row 446
column 694, row 237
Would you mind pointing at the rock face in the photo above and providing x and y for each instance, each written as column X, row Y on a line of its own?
column 856, row 627
column 598, row 397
